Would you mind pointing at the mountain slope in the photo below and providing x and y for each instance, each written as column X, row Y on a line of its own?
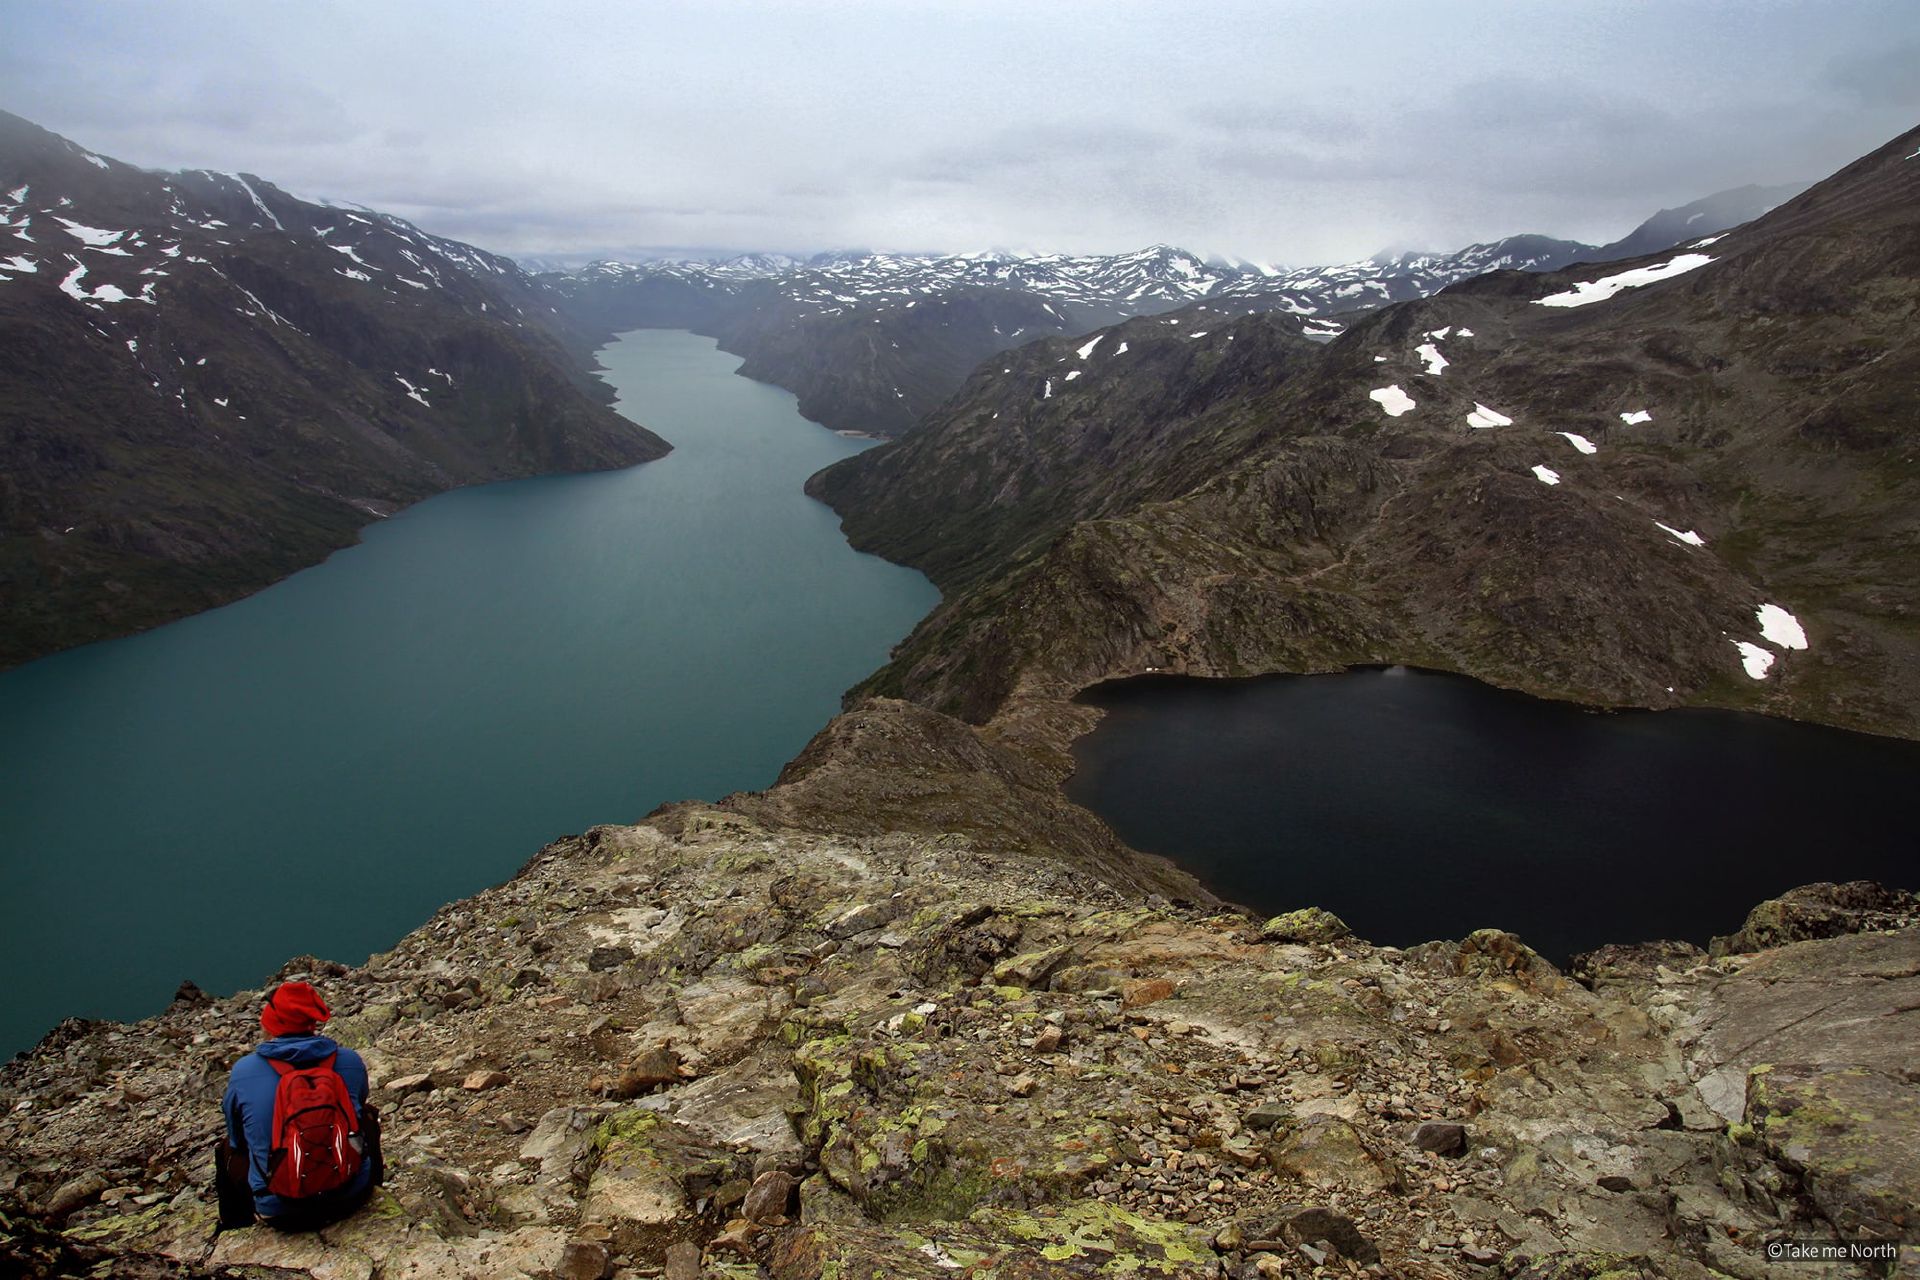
column 1415, row 492
column 211, row 384
column 1702, row 217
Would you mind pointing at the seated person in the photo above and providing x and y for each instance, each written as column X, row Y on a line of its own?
column 302, row 1146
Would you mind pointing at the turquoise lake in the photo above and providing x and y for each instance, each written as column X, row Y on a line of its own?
column 320, row 766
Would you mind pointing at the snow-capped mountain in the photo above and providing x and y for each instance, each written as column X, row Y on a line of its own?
column 874, row 341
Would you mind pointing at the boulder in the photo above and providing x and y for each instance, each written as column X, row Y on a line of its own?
column 635, row 1194
column 1032, row 968
column 1822, row 910
column 1144, row 991
column 860, row 919
column 1327, row 1152
column 1308, row 924
column 1442, row 1137
column 1301, row 1224
column 769, row 1196
column 583, row 1260
column 1832, row 1125
column 602, row 958
column 658, row 1066
column 683, row 1261
column 556, row 1140
column 269, row 1250
column 74, row 1192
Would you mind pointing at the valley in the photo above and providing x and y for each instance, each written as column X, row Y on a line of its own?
column 908, row 1009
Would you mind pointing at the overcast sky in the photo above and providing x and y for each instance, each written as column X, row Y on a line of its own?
column 1292, row 132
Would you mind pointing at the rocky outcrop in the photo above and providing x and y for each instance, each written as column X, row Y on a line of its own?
column 722, row 1040
column 1821, row 911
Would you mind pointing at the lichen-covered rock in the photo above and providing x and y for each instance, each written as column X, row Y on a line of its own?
column 1308, row 924
column 1328, row 1153
column 1823, row 910
column 1836, row 1128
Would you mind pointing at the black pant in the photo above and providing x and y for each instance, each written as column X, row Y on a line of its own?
column 234, row 1190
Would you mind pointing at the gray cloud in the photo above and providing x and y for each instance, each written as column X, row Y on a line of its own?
column 1293, row 132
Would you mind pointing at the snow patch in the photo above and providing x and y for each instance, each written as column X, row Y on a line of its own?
column 18, row 263
column 88, row 235
column 1546, row 475
column 72, row 287
column 1439, row 333
column 1636, row 417
column 1691, row 538
column 1071, row 376
column 1755, row 659
column 1088, row 349
column 1431, row 354
column 1781, row 627
column 1392, row 399
column 1581, row 443
column 1120, row 350
column 1046, row 393
column 1483, row 417
column 1464, row 332
column 1701, row 244
column 1605, row 287
column 257, row 202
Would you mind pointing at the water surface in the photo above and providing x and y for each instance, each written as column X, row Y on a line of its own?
column 1416, row 805
column 318, row 767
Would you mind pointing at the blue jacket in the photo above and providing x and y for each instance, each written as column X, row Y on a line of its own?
column 248, row 1106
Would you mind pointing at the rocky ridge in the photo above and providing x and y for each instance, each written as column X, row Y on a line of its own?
column 719, row 1043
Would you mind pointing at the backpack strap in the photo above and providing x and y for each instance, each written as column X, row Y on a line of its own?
column 283, row 1068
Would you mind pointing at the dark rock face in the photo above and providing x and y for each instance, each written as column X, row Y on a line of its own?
column 211, row 384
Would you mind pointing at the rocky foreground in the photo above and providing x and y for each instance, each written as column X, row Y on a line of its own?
column 719, row 1043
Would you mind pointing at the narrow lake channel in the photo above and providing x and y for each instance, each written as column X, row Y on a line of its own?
column 320, row 766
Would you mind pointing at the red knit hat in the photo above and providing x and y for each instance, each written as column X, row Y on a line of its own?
column 293, row 1008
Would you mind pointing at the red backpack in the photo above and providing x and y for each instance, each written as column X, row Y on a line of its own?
column 316, row 1131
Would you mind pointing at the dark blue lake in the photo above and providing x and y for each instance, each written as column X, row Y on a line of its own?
column 1416, row 805
column 410, row 721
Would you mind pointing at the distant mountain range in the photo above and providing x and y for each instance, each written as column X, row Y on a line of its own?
column 841, row 331
column 210, row 384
